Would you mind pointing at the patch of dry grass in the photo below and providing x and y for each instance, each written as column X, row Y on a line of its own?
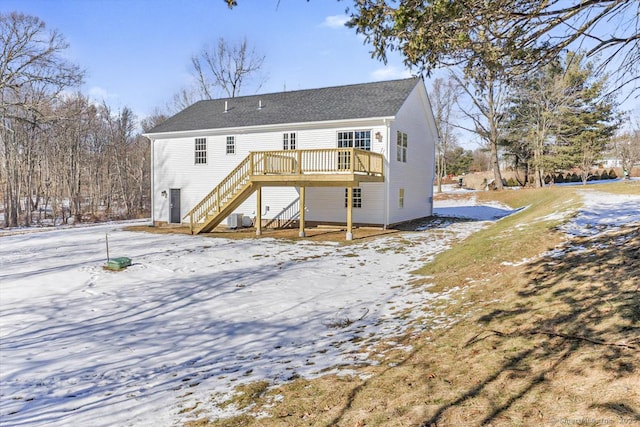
column 512, row 239
column 246, row 395
column 619, row 187
column 320, row 234
column 552, row 341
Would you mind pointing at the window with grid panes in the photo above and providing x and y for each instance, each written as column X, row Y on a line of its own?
column 357, row 139
column 201, row 151
column 357, row 197
column 231, row 145
column 402, row 142
column 352, row 139
column 289, row 141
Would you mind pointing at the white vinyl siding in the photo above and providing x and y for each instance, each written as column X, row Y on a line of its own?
column 415, row 175
column 326, row 204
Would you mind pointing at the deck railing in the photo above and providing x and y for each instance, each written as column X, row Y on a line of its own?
column 328, row 160
column 285, row 162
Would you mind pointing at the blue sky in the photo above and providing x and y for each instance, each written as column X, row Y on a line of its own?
column 137, row 52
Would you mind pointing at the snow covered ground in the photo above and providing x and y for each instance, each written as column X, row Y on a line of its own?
column 195, row 316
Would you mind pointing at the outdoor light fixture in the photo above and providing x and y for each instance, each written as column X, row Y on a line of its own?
column 164, row 193
column 379, row 136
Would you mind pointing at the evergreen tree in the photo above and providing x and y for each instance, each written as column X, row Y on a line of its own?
column 459, row 160
column 532, row 116
column 587, row 122
column 560, row 117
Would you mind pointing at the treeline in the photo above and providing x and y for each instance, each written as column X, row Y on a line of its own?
column 76, row 161
column 552, row 119
column 62, row 157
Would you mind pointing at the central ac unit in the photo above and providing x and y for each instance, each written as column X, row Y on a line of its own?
column 234, row 220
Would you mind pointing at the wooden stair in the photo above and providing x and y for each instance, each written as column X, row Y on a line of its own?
column 222, row 200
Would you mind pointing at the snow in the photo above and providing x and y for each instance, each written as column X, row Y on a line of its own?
column 195, row 316
column 468, row 208
column 602, row 211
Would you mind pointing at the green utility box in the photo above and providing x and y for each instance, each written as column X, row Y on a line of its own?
column 118, row 263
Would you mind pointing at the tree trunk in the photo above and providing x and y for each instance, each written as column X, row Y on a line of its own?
column 495, row 164
column 537, row 164
column 439, row 171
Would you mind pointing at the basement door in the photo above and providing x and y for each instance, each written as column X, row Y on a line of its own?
column 174, row 206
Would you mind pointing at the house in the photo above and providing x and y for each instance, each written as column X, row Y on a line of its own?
column 359, row 154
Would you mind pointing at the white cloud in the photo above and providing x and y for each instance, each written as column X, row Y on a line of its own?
column 98, row 93
column 335, row 21
column 390, row 72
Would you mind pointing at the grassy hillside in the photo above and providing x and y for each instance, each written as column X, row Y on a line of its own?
column 542, row 337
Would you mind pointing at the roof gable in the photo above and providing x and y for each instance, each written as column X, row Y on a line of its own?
column 359, row 101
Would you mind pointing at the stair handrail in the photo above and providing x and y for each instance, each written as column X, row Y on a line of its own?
column 214, row 198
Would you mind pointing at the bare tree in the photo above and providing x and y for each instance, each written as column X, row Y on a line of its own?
column 488, row 93
column 31, row 54
column 121, row 138
column 226, row 66
column 156, row 118
column 444, row 96
column 610, row 27
column 182, row 99
column 481, row 159
column 59, row 153
column 76, row 130
column 32, row 72
column 626, row 148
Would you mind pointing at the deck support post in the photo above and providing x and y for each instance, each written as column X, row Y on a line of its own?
column 302, row 202
column 259, row 211
column 349, row 235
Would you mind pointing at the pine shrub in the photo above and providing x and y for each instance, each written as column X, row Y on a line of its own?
column 512, row 182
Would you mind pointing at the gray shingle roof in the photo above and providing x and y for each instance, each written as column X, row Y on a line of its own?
column 380, row 99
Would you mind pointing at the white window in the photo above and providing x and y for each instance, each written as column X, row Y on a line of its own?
column 231, row 145
column 289, row 141
column 401, row 198
column 362, row 139
column 357, row 197
column 352, row 139
column 201, row 151
column 402, row 147
column 357, row 139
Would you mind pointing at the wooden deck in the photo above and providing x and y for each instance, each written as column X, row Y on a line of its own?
column 332, row 167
